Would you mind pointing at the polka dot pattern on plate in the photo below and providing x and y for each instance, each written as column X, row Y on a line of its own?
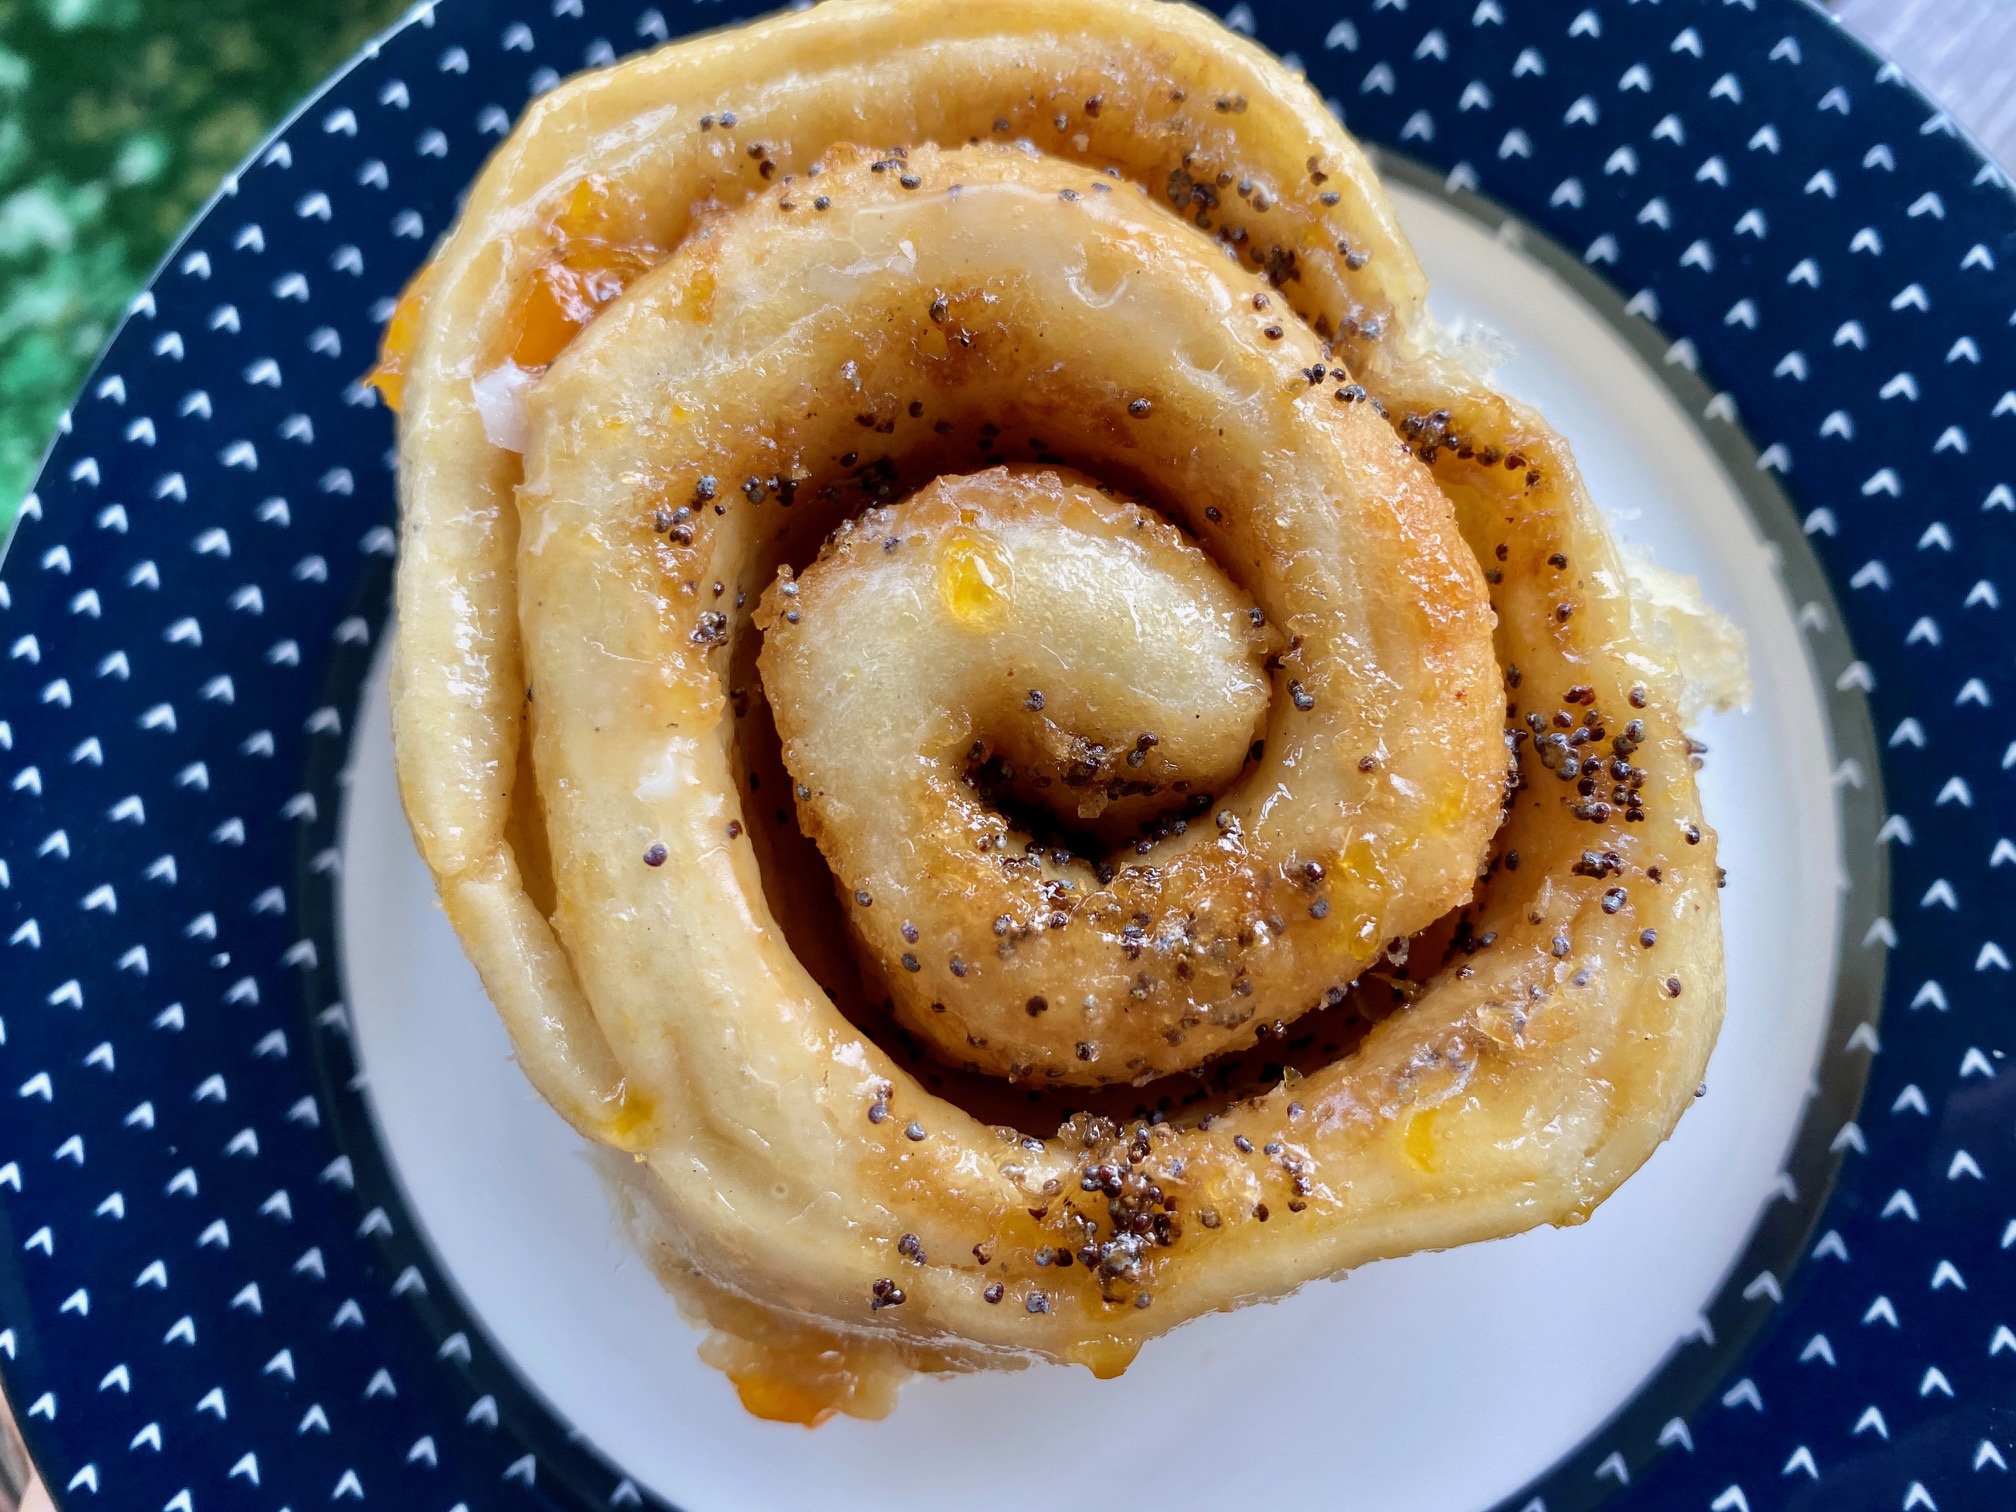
column 213, row 1294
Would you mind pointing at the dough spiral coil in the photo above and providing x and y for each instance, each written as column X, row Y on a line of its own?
column 920, row 351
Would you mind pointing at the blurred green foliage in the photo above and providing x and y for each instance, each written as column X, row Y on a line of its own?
column 118, row 118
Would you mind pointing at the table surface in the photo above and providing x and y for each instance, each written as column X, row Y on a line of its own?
column 118, row 118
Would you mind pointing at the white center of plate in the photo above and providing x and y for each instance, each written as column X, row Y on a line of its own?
column 1437, row 1383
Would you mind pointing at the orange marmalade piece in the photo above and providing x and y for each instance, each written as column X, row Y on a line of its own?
column 597, row 253
column 402, row 333
column 563, row 296
column 777, row 1399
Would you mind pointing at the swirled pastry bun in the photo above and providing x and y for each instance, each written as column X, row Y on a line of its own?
column 991, row 712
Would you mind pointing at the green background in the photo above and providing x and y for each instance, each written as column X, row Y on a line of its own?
column 118, row 118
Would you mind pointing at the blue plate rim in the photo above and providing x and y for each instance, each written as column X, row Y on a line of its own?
column 424, row 15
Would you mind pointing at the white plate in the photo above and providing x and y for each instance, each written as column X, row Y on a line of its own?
column 1437, row 1383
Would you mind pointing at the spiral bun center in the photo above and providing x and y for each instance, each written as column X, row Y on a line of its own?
column 904, row 678
column 1029, row 637
column 1006, row 666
